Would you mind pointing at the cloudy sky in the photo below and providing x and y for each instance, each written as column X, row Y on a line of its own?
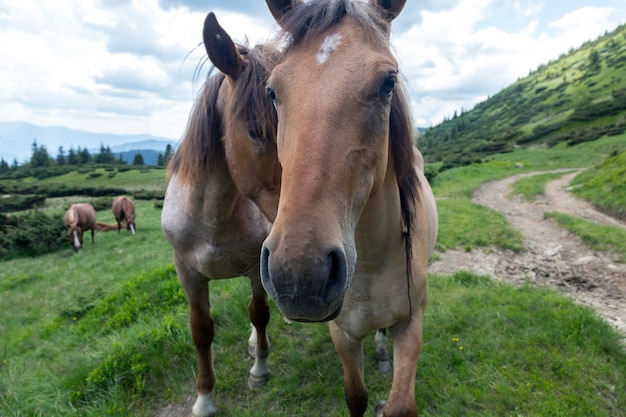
column 127, row 66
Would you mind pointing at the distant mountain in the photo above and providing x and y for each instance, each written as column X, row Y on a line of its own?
column 581, row 96
column 16, row 139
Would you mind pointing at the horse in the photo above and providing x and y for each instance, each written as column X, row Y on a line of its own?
column 124, row 211
column 352, row 183
column 224, row 181
column 79, row 218
column 106, row 227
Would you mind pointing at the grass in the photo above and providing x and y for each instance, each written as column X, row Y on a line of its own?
column 605, row 185
column 461, row 181
column 490, row 350
column 132, row 179
column 532, row 187
column 599, row 237
column 469, row 226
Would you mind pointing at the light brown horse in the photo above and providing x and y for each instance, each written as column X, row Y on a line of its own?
column 356, row 218
column 123, row 209
column 222, row 195
column 79, row 218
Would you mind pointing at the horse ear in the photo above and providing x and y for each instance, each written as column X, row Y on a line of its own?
column 390, row 8
column 279, row 8
column 221, row 48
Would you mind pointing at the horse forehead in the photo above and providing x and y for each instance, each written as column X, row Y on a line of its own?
column 328, row 47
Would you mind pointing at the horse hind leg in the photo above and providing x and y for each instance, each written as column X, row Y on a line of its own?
column 258, row 343
column 382, row 354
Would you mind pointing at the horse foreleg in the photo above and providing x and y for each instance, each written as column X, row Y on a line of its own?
column 406, row 349
column 351, row 355
column 196, row 290
column 93, row 232
column 258, row 344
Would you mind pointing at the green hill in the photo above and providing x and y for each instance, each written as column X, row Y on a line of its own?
column 579, row 97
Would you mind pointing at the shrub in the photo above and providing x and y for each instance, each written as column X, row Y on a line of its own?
column 31, row 234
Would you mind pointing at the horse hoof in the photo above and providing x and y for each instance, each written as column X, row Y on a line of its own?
column 384, row 366
column 379, row 409
column 256, row 382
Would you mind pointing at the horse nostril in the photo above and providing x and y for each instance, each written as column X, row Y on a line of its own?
column 337, row 274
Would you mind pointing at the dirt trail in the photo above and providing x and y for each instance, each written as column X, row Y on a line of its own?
column 552, row 256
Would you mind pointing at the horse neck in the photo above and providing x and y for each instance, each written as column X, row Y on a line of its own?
column 217, row 192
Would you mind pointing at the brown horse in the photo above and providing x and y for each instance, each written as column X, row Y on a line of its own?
column 124, row 211
column 78, row 219
column 352, row 183
column 222, row 195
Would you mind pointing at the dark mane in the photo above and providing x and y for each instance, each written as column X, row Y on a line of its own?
column 250, row 101
column 202, row 143
column 315, row 17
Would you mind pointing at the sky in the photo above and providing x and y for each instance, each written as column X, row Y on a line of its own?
column 127, row 66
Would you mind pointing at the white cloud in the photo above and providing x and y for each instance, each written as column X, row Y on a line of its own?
column 122, row 66
column 452, row 64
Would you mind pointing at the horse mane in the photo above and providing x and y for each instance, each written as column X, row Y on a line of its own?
column 202, row 143
column 315, row 17
column 250, row 101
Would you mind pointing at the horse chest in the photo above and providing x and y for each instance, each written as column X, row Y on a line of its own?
column 374, row 306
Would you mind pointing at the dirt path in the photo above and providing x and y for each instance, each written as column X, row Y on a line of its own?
column 552, row 256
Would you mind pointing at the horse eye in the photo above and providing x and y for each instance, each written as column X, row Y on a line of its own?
column 388, row 86
column 272, row 95
column 255, row 130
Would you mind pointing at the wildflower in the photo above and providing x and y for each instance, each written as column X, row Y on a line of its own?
column 455, row 339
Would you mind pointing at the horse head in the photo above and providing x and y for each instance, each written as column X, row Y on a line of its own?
column 247, row 117
column 336, row 92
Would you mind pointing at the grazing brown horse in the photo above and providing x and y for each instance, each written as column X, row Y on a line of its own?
column 356, row 217
column 124, row 211
column 79, row 218
column 222, row 195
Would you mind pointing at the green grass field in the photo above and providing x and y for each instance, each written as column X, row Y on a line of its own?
column 104, row 332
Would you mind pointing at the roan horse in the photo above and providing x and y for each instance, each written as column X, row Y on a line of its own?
column 222, row 195
column 124, row 211
column 79, row 218
column 352, row 183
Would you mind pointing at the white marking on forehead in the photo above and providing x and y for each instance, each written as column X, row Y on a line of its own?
column 329, row 46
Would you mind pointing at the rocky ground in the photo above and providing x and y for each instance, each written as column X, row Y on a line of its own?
column 552, row 256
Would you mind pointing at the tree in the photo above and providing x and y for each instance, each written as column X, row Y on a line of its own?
column 105, row 156
column 83, row 156
column 40, row 157
column 61, row 156
column 72, row 157
column 4, row 166
column 138, row 159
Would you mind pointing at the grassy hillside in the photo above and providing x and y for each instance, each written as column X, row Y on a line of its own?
column 579, row 97
column 605, row 185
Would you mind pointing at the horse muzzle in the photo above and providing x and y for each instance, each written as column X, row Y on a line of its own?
column 309, row 286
